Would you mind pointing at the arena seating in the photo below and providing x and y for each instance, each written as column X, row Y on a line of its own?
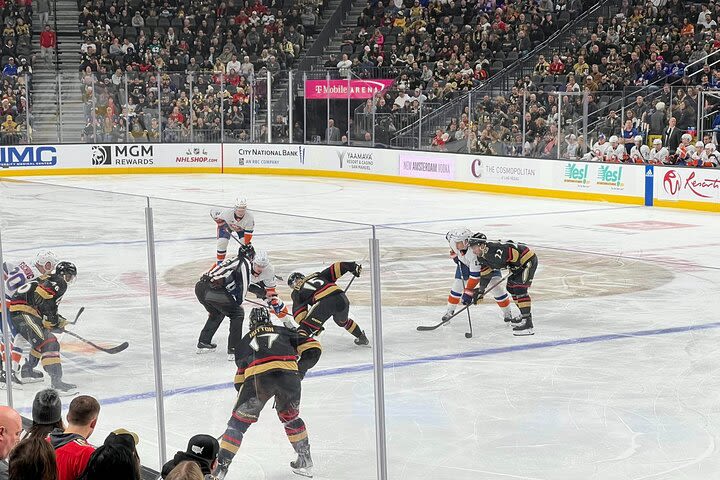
column 208, row 50
column 16, row 38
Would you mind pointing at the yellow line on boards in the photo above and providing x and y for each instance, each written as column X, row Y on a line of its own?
column 488, row 188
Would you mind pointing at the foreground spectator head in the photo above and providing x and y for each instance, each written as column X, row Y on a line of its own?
column 33, row 459
column 202, row 450
column 10, row 429
column 186, row 471
column 46, row 413
column 115, row 459
column 72, row 451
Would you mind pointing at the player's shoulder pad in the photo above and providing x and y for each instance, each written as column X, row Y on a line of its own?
column 56, row 282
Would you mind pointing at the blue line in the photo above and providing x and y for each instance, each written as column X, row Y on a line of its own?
column 366, row 367
column 188, row 239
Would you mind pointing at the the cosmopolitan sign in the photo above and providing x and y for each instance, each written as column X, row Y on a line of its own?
column 338, row 89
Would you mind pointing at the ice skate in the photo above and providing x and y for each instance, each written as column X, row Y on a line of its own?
column 203, row 347
column 303, row 465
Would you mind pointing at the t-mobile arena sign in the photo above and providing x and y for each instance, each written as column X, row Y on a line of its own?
column 338, row 89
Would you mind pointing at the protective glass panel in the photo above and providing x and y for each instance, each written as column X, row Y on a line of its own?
column 337, row 394
column 106, row 351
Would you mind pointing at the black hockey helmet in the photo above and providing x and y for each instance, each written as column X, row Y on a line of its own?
column 477, row 239
column 246, row 251
column 66, row 270
column 294, row 278
column 259, row 317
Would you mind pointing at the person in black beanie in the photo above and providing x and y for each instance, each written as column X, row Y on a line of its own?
column 115, row 459
column 46, row 413
column 201, row 449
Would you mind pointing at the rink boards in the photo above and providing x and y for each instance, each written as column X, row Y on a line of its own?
column 679, row 187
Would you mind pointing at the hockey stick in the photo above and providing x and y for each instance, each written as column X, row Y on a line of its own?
column 77, row 315
column 470, row 333
column 111, row 351
column 426, row 328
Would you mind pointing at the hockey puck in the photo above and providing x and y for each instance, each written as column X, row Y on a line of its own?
column 468, row 335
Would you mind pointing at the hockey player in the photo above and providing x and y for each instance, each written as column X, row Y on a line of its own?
column 34, row 314
column 318, row 290
column 521, row 261
column 659, row 155
column 467, row 275
column 639, row 153
column 271, row 361
column 713, row 158
column 233, row 220
column 616, row 152
column 698, row 158
column 263, row 284
column 684, row 151
column 15, row 276
column 222, row 291
column 599, row 150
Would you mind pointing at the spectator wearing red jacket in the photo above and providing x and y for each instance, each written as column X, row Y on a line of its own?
column 47, row 43
column 72, row 450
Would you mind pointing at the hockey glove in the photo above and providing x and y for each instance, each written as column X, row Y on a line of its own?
column 478, row 297
column 358, row 270
column 468, row 297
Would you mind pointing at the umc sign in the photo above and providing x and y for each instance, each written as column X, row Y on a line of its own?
column 27, row 156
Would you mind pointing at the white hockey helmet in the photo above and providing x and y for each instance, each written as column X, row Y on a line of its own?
column 240, row 203
column 699, row 144
column 638, row 138
column 657, row 141
column 261, row 259
column 44, row 257
column 710, row 146
column 457, row 235
column 686, row 137
column 614, row 139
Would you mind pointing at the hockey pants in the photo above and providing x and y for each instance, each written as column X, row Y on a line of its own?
column 336, row 306
column 253, row 395
column 219, row 304
column 518, row 284
column 45, row 346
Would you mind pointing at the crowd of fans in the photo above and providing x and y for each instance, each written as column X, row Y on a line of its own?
column 51, row 449
column 16, row 70
column 642, row 49
column 212, row 52
column 438, row 50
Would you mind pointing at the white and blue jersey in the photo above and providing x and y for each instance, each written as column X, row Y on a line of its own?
column 17, row 275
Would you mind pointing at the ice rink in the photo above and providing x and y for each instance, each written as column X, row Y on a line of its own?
column 620, row 381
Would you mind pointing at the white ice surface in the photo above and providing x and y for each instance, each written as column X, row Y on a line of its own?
column 622, row 384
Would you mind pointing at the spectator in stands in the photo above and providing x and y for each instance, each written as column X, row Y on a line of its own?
column 43, row 9
column 48, row 41
column 32, row 459
column 202, row 450
column 10, row 430
column 72, row 450
column 10, row 68
column 186, row 471
column 115, row 459
column 628, row 134
column 332, row 133
column 46, row 414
